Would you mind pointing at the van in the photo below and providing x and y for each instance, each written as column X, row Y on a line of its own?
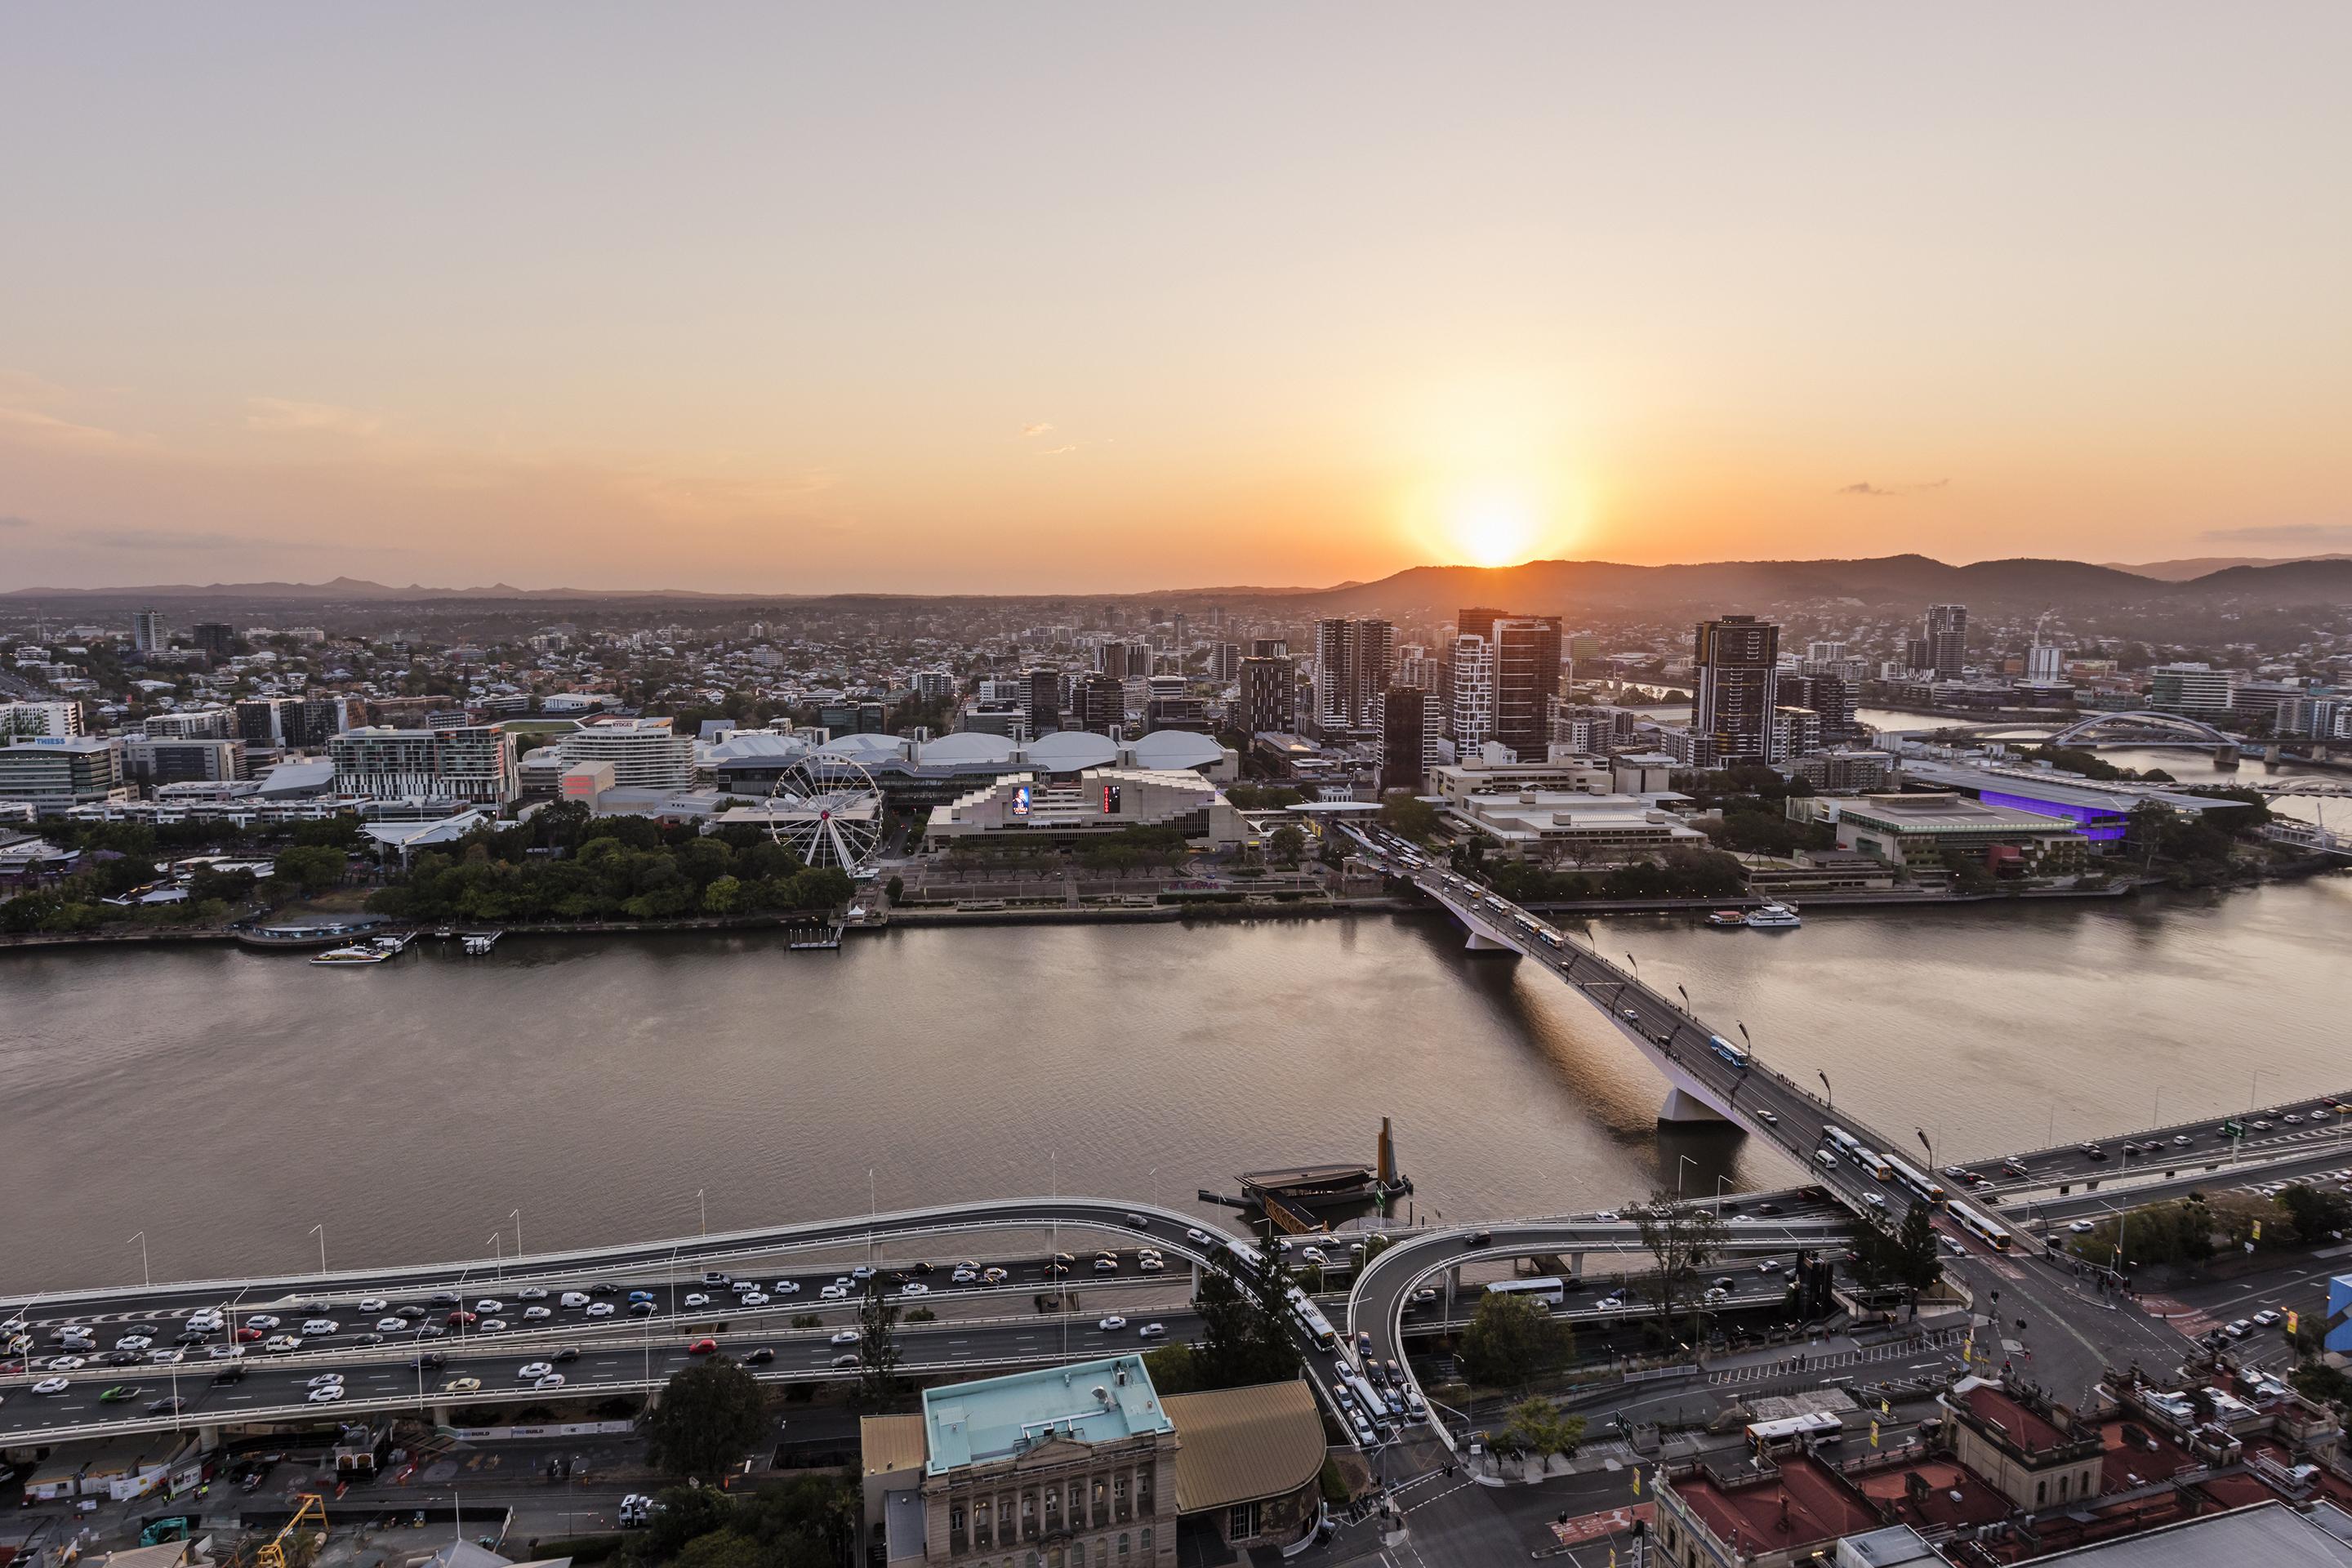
column 1824, row 1159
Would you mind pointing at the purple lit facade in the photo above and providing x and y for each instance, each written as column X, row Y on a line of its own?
column 2096, row 824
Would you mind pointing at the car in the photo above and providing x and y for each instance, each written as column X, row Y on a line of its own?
column 535, row 1313
column 995, row 1276
column 489, row 1308
column 118, row 1358
column 67, row 1363
column 788, row 1288
column 412, row 1312
column 914, row 1288
column 1196, row 1236
column 190, row 1337
column 2096, row 1152
column 2266, row 1317
column 1608, row 1216
column 446, row 1298
column 599, row 1309
column 1875, row 1200
column 281, row 1344
column 373, row 1304
column 862, row 1273
column 698, row 1299
column 847, row 1337
column 1952, row 1245
column 2238, row 1330
column 1151, row 1332
column 431, row 1361
column 459, row 1319
column 462, row 1386
column 133, row 1342
column 702, row 1347
column 229, row 1374
column 327, row 1396
column 532, row 1293
column 760, row 1357
column 118, row 1393
column 261, row 1320
column 491, row 1326
column 638, row 1296
column 1767, row 1209
column 53, row 1385
column 1769, row 1265
column 642, row 1309
column 569, row 1353
column 166, row 1357
column 2319, row 1113
column 392, row 1325
column 845, row 1361
column 834, row 1293
column 716, row 1276
column 2292, row 1119
column 1112, row 1324
column 1632, row 1013
column 430, row 1331
column 1341, row 1369
column 2259, row 1126
column 1768, row 1119
column 572, row 1299
column 327, row 1380
column 1425, row 1297
column 531, row 1369
column 2079, row 1227
column 964, row 1277
column 760, row 1297
column 1151, row 1263
column 552, row 1380
column 1958, row 1173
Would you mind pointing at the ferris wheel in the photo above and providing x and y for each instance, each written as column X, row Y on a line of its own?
column 827, row 810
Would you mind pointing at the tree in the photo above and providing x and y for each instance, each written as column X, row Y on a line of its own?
column 711, row 1415
column 1538, row 1426
column 1288, row 845
column 1918, row 1262
column 878, row 1347
column 1682, row 1238
column 1510, row 1341
column 1174, row 1369
column 895, row 889
column 1408, row 817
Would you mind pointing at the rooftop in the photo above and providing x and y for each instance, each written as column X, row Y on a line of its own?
column 1105, row 1401
column 1237, row 1444
column 1803, row 1504
column 2057, row 788
column 1942, row 813
column 2270, row 1533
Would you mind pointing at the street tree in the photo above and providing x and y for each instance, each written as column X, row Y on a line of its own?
column 711, row 1415
column 1538, row 1426
column 1512, row 1340
column 1681, row 1239
column 878, row 1347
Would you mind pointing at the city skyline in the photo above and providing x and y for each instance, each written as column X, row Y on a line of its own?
column 736, row 301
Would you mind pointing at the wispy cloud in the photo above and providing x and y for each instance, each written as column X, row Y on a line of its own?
column 2285, row 533
column 1057, row 451
column 1864, row 488
column 32, row 424
column 284, row 414
column 165, row 538
column 9, row 522
column 1029, row 430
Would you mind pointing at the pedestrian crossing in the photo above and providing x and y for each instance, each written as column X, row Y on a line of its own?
column 1812, row 1362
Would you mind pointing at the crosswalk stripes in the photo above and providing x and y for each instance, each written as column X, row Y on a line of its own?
column 1831, row 1360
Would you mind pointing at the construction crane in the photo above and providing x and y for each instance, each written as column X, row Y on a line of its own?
column 311, row 1506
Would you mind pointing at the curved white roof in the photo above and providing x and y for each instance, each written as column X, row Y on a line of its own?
column 1067, row 750
column 1175, row 749
column 754, row 744
column 865, row 748
column 968, row 746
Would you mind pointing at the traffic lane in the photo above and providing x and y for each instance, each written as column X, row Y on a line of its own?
column 1089, row 1214
column 277, row 1387
column 2208, row 1129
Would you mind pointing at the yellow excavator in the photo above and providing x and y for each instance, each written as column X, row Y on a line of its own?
column 273, row 1554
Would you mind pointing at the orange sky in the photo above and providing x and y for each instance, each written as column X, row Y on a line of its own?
column 1063, row 297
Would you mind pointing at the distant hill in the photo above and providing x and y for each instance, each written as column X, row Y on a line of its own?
column 350, row 588
column 2194, row 566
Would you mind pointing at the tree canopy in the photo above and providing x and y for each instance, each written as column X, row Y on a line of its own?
column 710, row 1416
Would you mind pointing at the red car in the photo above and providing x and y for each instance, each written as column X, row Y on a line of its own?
column 702, row 1347
column 250, row 1336
column 461, row 1316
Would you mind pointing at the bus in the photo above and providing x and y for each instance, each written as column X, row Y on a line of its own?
column 1815, row 1427
column 1735, row 1055
column 1915, row 1182
column 1318, row 1327
column 1546, row 1289
column 1870, row 1160
column 1990, row 1233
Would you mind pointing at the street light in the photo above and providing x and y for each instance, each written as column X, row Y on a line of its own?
column 1826, row 1088
column 320, row 1230
column 1637, row 967
column 1687, row 1012
column 1685, row 1160
column 703, row 1205
column 145, row 1277
column 517, row 1217
column 1924, row 1143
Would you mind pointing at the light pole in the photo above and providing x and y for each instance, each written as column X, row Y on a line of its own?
column 1924, row 1143
column 498, row 1255
column 1720, row 1182
column 1685, row 1160
column 873, row 1212
column 517, row 1217
column 1827, row 1090
column 1687, row 1011
column 1637, row 967
column 703, row 1206
column 320, row 1230
column 145, row 1277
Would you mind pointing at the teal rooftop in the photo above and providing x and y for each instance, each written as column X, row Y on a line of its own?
column 1000, row 1418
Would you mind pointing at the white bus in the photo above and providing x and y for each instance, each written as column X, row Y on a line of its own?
column 1546, row 1288
column 1819, row 1426
column 1733, row 1054
column 1870, row 1160
column 1915, row 1182
column 1992, row 1234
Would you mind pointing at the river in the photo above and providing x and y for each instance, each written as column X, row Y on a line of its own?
column 226, row 1102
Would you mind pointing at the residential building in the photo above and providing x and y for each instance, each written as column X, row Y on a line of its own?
column 1124, row 660
column 25, row 720
column 1523, row 661
column 147, row 633
column 193, row 724
column 646, row 754
column 473, row 763
column 1735, row 662
column 1410, row 730
column 1352, row 663
column 1099, row 703
column 153, row 761
column 1845, row 771
column 1269, row 695
column 1946, row 633
column 1795, row 732
column 55, row 772
column 2045, row 664
column 1042, row 692
column 1472, row 715
column 1829, row 693
column 216, row 638
column 852, row 718
column 933, row 685
column 1225, row 661
column 2191, row 688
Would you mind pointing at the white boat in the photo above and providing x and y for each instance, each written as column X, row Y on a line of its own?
column 347, row 956
column 1773, row 916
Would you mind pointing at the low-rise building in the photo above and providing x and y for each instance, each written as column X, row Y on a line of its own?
column 1920, row 828
column 1099, row 803
column 56, row 772
column 1550, row 824
column 470, row 762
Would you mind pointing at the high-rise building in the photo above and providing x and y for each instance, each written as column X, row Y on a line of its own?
column 1947, row 641
column 645, row 754
column 1919, row 659
column 1099, row 701
column 2044, row 665
column 1736, row 662
column 55, row 772
column 1225, row 661
column 147, row 634
column 1042, row 692
column 310, row 722
column 1473, row 704
column 930, row 685
column 2197, row 689
column 1409, row 735
column 1269, row 647
column 1352, row 662
column 216, row 637
column 1527, row 678
column 1269, row 698
column 1824, row 652
column 474, row 763
column 1124, row 660
column 153, row 761
column 1830, row 695
column 1417, row 670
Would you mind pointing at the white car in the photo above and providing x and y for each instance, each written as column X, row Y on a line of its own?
column 575, row 1298
column 995, row 1276
column 279, row 1344
column 834, row 1293
column 165, row 1357
column 488, row 1307
column 864, row 1272
column 392, row 1325
column 552, row 1380
column 133, row 1342
column 1608, row 1216
column 327, row 1396
column 1196, row 1234
column 788, row 1288
column 532, row 1369
column 2266, row 1317
column 847, row 1337
column 373, row 1304
column 532, row 1293
column 1112, row 1324
column 534, row 1313
column 67, row 1363
column 315, row 1326
column 964, row 1277
column 698, row 1299
column 2079, row 1227
column 225, row 1352
column 205, row 1323
column 328, row 1380
column 53, row 1385
column 1151, row 1263
column 754, row 1298
column 491, row 1326
column 262, row 1320
column 914, row 1288
column 1151, row 1331
column 600, row 1309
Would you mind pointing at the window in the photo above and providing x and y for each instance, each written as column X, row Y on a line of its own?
column 1147, row 1540
column 1122, row 1546
column 1242, row 1521
column 2040, row 1492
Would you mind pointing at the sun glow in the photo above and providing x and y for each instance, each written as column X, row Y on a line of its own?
column 1492, row 528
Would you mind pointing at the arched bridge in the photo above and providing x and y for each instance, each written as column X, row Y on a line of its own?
column 2172, row 729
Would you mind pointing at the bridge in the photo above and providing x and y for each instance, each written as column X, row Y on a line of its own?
column 2139, row 727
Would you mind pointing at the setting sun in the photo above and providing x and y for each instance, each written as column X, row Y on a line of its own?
column 1492, row 529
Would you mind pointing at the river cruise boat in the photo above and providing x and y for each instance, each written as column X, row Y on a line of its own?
column 1774, row 917
column 345, row 956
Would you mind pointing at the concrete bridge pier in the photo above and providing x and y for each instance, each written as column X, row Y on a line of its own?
column 1479, row 942
column 1681, row 1106
column 208, row 1438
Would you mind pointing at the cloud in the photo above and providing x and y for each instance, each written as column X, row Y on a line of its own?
column 33, row 425
column 1028, row 430
column 8, row 521
column 2285, row 533
column 1864, row 488
column 1057, row 451
column 283, row 414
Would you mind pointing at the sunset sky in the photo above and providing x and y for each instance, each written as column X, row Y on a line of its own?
column 1100, row 298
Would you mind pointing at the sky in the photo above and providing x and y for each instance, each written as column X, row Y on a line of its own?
column 1100, row 299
